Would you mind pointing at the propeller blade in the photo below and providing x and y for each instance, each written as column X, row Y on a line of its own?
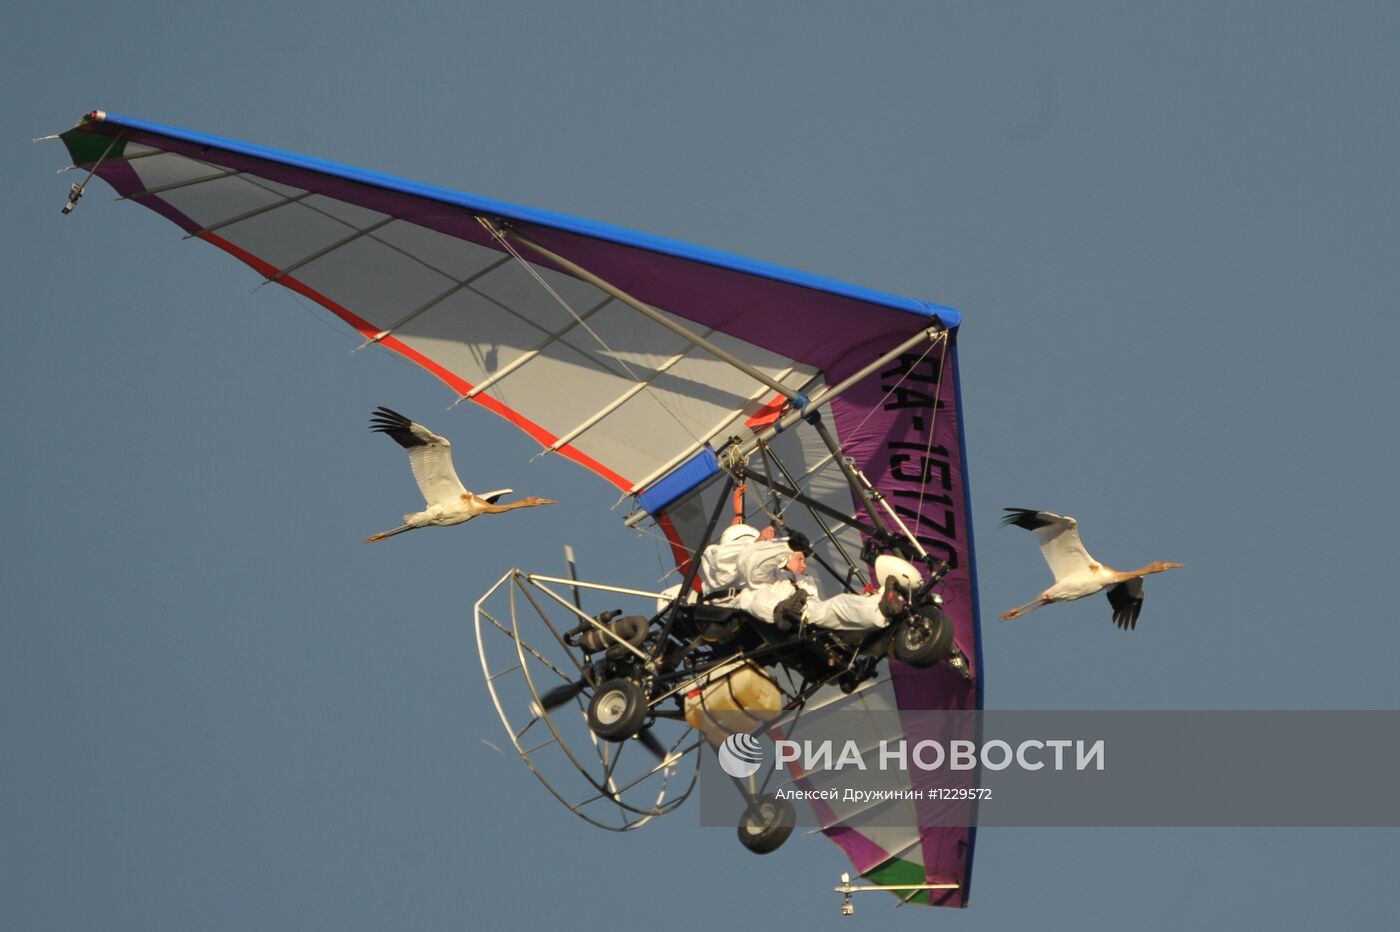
column 561, row 694
column 648, row 740
column 573, row 574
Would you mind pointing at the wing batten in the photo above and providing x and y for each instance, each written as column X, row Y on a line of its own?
column 453, row 381
column 175, row 185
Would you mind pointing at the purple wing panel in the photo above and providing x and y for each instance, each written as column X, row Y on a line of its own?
column 902, row 427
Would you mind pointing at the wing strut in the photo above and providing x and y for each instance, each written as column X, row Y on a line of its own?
column 884, row 503
column 797, row 398
column 821, row 399
column 849, row 471
column 814, row 505
column 692, row 570
column 816, row 515
column 777, row 503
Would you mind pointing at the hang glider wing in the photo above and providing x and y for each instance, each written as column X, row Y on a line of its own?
column 419, row 270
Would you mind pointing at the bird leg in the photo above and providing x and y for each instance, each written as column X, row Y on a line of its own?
column 1025, row 609
column 375, row 538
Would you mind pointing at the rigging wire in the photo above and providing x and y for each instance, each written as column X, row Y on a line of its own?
column 776, row 514
column 941, row 340
column 826, row 529
column 924, row 473
column 540, row 280
column 613, row 354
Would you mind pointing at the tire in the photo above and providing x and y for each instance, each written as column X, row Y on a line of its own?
column 924, row 638
column 617, row 710
column 766, row 824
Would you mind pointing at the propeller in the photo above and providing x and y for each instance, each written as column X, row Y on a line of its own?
column 562, row 694
column 649, row 741
column 573, row 574
column 567, row 691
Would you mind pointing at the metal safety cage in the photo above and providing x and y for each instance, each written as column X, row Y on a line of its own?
column 521, row 623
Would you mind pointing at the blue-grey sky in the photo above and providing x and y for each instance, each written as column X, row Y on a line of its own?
column 1172, row 233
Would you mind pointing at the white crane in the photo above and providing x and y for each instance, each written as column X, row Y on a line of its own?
column 448, row 500
column 1076, row 573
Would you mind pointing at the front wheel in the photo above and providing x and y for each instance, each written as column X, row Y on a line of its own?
column 766, row 824
column 924, row 638
column 617, row 710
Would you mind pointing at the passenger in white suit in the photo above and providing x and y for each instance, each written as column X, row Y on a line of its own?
column 719, row 564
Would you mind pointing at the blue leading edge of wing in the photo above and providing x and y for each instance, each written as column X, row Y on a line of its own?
column 949, row 316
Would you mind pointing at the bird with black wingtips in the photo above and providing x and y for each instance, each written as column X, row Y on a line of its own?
column 430, row 456
column 1076, row 573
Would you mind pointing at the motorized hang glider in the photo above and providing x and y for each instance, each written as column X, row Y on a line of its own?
column 676, row 374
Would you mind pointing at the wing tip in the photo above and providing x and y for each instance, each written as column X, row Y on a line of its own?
column 1126, row 608
column 399, row 428
column 1027, row 518
column 388, row 415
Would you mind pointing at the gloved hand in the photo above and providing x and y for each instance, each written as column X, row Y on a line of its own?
column 893, row 602
column 797, row 541
column 790, row 612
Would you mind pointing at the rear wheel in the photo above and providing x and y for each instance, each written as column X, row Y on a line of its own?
column 924, row 638
column 766, row 824
column 617, row 710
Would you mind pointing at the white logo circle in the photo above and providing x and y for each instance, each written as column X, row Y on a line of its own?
column 740, row 755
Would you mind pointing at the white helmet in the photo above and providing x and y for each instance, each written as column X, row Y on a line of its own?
column 887, row 565
column 737, row 532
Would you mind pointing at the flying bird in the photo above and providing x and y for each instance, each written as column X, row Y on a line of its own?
column 1076, row 573
column 448, row 500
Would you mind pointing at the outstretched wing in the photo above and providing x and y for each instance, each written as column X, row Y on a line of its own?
column 1126, row 599
column 1058, row 536
column 428, row 454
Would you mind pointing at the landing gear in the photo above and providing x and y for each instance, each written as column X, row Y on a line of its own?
column 766, row 824
column 924, row 637
column 617, row 710
column 866, row 668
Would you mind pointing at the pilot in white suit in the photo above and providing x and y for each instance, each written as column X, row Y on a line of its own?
column 775, row 573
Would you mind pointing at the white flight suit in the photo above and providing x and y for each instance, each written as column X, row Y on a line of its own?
column 718, row 574
column 719, row 567
column 848, row 611
column 767, row 581
column 763, row 568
